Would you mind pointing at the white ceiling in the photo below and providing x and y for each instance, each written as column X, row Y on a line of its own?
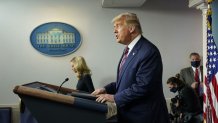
column 122, row 3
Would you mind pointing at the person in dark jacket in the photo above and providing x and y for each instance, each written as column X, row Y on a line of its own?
column 83, row 74
column 187, row 102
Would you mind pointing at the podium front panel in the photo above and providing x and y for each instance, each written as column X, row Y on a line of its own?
column 50, row 107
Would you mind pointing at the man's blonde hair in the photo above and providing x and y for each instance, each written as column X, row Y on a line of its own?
column 130, row 19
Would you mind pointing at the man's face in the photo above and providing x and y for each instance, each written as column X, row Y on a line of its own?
column 195, row 58
column 122, row 33
column 195, row 61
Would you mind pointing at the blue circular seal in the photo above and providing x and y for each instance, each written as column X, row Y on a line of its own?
column 55, row 39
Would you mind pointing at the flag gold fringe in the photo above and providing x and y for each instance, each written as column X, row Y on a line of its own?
column 209, row 1
column 209, row 13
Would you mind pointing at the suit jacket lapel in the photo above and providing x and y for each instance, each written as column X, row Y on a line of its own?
column 128, row 60
column 191, row 72
column 119, row 66
column 130, row 57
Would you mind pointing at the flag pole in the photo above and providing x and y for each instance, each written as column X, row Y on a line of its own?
column 208, row 106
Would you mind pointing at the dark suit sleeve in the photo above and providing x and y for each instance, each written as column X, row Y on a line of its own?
column 111, row 88
column 182, row 75
column 146, row 80
column 187, row 76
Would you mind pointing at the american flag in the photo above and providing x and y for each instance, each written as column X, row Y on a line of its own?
column 211, row 85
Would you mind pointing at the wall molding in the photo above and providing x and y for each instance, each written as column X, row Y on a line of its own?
column 122, row 3
column 194, row 3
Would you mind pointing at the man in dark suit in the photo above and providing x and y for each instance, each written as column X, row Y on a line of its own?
column 193, row 75
column 138, row 91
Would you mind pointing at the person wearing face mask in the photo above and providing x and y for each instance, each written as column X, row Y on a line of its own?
column 193, row 75
column 186, row 102
column 187, row 75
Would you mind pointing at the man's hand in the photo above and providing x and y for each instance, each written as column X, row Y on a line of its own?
column 99, row 91
column 102, row 96
column 177, row 104
column 194, row 85
column 201, row 85
column 105, row 97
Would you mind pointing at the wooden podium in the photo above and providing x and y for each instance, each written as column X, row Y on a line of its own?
column 68, row 106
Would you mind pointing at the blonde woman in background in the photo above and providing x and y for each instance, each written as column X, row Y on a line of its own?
column 83, row 74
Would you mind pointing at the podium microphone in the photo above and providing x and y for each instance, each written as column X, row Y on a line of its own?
column 62, row 84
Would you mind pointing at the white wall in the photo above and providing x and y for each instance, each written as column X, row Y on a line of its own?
column 173, row 27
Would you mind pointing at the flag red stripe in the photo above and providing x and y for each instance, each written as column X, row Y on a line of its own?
column 215, row 119
column 215, row 86
column 204, row 100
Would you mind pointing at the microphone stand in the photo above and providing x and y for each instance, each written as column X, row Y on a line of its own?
column 62, row 84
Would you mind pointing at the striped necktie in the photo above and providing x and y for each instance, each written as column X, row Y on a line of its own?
column 125, row 55
column 197, row 75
